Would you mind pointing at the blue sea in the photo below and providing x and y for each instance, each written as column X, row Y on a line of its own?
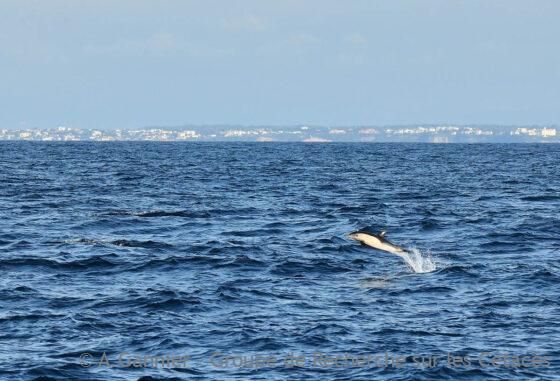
column 231, row 261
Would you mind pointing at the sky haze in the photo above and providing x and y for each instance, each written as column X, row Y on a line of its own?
column 127, row 64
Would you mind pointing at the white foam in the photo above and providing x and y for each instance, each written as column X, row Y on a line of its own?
column 418, row 262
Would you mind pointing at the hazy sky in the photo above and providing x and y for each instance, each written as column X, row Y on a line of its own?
column 109, row 64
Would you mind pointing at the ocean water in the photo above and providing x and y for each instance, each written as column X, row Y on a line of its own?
column 232, row 259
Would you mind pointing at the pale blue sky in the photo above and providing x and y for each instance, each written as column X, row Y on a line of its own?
column 110, row 64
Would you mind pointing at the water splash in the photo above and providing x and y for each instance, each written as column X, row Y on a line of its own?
column 418, row 262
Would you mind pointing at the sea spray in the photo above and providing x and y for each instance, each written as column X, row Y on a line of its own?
column 417, row 262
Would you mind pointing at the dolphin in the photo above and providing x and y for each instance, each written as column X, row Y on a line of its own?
column 377, row 241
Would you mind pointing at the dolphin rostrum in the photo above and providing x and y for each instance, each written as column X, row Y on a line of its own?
column 377, row 241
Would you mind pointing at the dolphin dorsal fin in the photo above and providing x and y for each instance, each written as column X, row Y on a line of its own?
column 382, row 234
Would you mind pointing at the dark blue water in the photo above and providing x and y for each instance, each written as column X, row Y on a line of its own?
column 240, row 250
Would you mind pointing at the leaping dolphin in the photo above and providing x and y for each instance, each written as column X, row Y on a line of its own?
column 377, row 241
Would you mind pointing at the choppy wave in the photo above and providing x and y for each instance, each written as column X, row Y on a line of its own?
column 120, row 242
column 193, row 249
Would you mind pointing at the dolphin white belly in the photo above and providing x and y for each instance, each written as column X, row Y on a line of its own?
column 377, row 242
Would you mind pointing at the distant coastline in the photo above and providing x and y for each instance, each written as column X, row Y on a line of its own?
column 443, row 133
